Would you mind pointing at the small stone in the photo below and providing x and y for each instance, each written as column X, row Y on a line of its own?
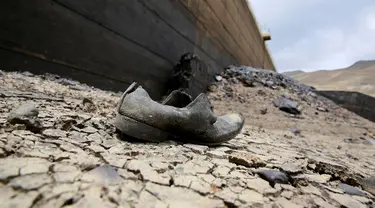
column 234, row 80
column 322, row 109
column 218, row 78
column 250, row 83
column 27, row 74
column 352, row 140
column 88, row 105
column 54, row 133
column 67, row 82
column 246, row 159
column 348, row 189
column 273, row 176
column 269, row 83
column 26, row 114
column 296, row 131
column 287, row 105
column 263, row 111
column 351, row 156
column 200, row 149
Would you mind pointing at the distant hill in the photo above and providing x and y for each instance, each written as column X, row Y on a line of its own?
column 293, row 73
column 358, row 77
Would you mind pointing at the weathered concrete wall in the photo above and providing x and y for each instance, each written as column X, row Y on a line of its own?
column 361, row 104
column 111, row 43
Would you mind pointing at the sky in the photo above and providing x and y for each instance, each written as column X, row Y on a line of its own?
column 312, row 35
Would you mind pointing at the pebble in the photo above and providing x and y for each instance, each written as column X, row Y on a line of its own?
column 273, row 176
column 322, row 109
column 296, row 131
column 67, row 82
column 26, row 114
column 263, row 111
column 352, row 140
column 287, row 105
column 350, row 189
column 27, row 73
column 218, row 78
column 246, row 159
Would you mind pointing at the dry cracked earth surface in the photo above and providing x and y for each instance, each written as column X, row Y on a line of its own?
column 58, row 148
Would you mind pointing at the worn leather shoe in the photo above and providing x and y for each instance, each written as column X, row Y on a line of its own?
column 177, row 117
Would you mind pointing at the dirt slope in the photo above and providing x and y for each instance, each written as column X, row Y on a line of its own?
column 359, row 77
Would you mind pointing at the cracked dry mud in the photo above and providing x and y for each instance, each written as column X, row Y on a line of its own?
column 77, row 159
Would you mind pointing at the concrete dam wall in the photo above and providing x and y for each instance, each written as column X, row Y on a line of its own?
column 361, row 104
column 112, row 43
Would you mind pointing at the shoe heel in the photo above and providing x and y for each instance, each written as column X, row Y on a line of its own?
column 139, row 130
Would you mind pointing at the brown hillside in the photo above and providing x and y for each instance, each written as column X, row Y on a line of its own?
column 359, row 77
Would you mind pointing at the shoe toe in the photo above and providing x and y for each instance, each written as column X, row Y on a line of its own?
column 234, row 119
